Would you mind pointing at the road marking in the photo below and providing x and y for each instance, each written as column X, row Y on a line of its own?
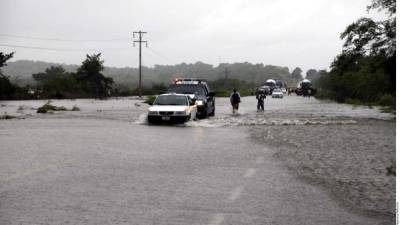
column 259, row 160
column 235, row 194
column 249, row 173
column 217, row 219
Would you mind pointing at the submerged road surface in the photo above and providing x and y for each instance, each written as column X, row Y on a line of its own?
column 105, row 165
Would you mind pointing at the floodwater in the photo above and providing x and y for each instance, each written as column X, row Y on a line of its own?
column 301, row 161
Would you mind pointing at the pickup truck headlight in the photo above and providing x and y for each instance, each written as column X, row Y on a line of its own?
column 153, row 113
column 199, row 102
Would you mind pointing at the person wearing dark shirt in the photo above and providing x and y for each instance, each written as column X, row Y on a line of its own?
column 260, row 96
column 235, row 100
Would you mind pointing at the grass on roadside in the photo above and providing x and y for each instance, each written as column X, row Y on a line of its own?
column 75, row 108
column 391, row 170
column 150, row 99
column 388, row 109
column 48, row 108
column 7, row 117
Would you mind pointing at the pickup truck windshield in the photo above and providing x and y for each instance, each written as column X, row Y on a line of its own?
column 187, row 89
column 171, row 100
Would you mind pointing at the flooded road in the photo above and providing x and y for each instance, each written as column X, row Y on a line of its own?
column 302, row 161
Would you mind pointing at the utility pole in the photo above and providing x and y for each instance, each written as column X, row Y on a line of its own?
column 140, row 33
column 226, row 77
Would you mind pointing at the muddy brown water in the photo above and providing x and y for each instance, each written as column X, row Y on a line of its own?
column 345, row 150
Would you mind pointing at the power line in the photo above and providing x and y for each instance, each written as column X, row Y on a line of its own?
column 160, row 55
column 60, row 49
column 64, row 40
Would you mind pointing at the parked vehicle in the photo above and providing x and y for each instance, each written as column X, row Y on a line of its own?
column 277, row 93
column 270, row 85
column 172, row 107
column 198, row 90
column 306, row 89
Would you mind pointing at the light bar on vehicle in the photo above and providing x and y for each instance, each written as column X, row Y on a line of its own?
column 188, row 81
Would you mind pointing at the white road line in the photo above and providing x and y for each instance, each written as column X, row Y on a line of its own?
column 249, row 173
column 217, row 219
column 235, row 194
column 259, row 160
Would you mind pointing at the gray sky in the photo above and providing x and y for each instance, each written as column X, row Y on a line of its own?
column 275, row 32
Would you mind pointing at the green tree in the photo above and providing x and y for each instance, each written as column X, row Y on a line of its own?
column 50, row 73
column 296, row 74
column 7, row 89
column 312, row 74
column 90, row 76
column 366, row 68
column 369, row 37
column 4, row 58
column 55, row 82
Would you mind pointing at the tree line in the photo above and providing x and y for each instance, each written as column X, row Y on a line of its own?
column 55, row 82
column 365, row 71
column 92, row 79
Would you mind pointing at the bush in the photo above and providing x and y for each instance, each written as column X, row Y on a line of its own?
column 6, row 117
column 150, row 99
column 352, row 101
column 387, row 100
column 75, row 108
column 50, row 108
column 222, row 93
column 391, row 170
column 325, row 94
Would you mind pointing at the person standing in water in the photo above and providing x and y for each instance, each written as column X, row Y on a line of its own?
column 260, row 96
column 235, row 100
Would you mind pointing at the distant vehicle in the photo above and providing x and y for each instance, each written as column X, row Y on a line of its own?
column 306, row 89
column 172, row 107
column 277, row 93
column 198, row 90
column 270, row 82
column 264, row 89
column 279, row 84
column 291, row 90
column 268, row 86
column 284, row 91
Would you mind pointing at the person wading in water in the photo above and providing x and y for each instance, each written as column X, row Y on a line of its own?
column 260, row 96
column 235, row 100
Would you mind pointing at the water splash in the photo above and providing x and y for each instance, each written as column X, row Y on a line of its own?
column 248, row 120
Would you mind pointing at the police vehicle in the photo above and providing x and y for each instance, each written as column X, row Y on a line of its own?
column 172, row 107
column 199, row 91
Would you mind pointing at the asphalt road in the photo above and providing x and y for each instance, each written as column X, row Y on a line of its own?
column 79, row 170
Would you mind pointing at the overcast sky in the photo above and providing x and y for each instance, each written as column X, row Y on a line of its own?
column 274, row 32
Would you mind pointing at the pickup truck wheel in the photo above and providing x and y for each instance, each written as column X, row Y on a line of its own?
column 201, row 115
column 213, row 112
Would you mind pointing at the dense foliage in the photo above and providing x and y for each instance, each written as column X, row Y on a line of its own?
column 365, row 71
column 7, row 89
column 55, row 82
column 127, row 78
column 88, row 81
column 223, row 87
column 91, row 79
